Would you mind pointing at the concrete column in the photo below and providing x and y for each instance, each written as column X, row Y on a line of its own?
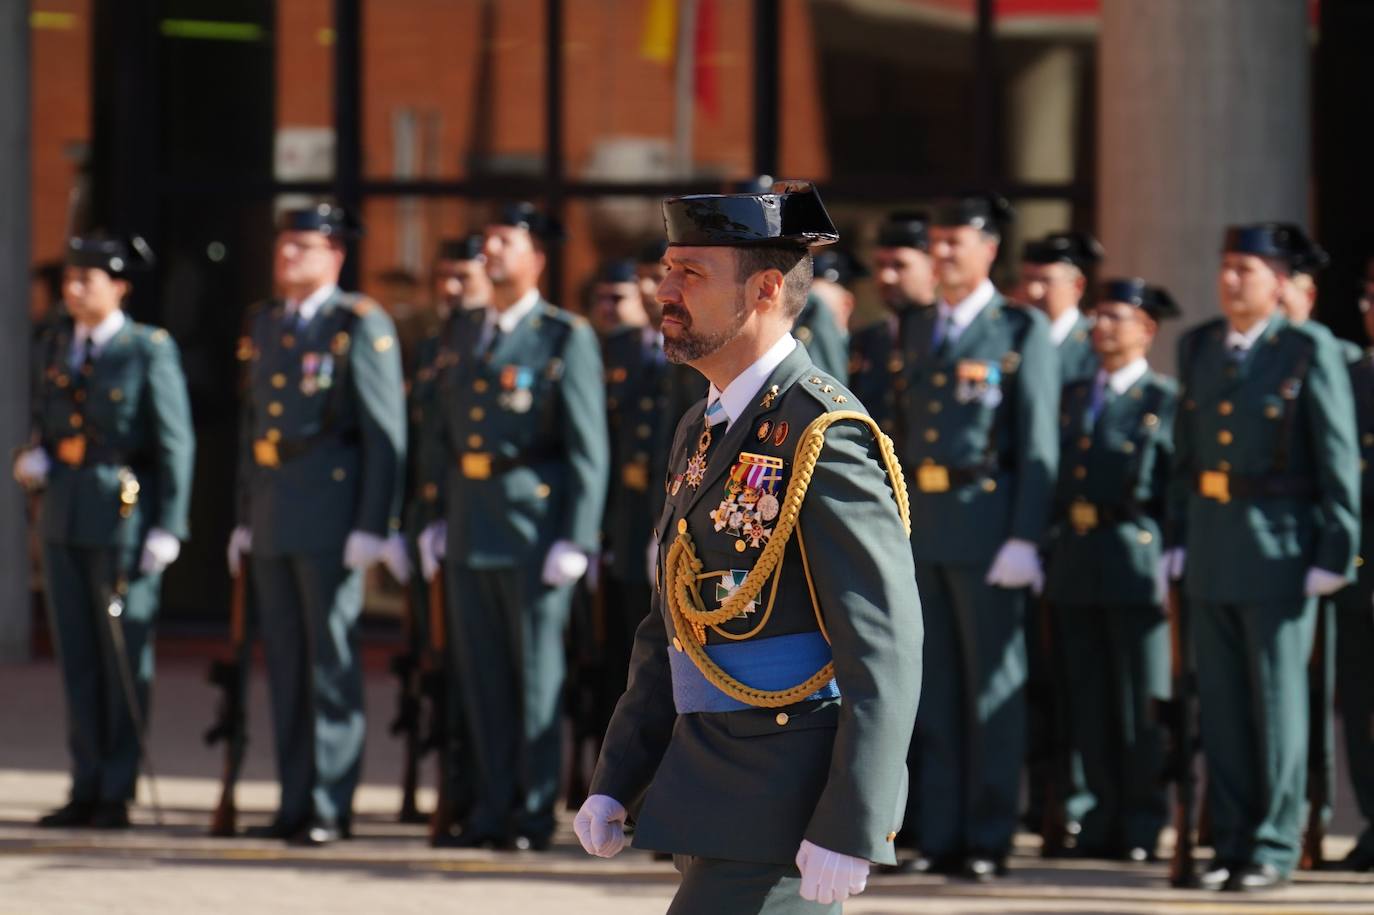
column 1042, row 107
column 14, row 324
column 1203, row 121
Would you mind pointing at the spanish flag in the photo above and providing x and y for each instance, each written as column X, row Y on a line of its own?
column 660, row 31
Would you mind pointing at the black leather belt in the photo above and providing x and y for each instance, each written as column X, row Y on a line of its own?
column 1223, row 486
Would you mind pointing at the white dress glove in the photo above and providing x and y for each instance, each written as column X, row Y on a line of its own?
column 1170, row 568
column 600, row 826
column 1017, row 565
column 160, row 549
column 565, row 564
column 1320, row 582
column 432, row 544
column 240, row 542
column 651, row 561
column 828, row 876
column 31, row 468
column 396, row 558
column 362, row 549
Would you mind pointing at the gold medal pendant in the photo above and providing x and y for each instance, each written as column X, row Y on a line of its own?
column 696, row 467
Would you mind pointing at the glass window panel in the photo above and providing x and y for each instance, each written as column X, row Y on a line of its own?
column 635, row 110
column 1046, row 54
column 453, row 88
column 303, row 143
column 884, row 88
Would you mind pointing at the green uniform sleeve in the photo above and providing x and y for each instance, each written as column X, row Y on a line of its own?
column 1181, row 478
column 1036, row 433
column 174, row 436
column 1330, row 410
column 582, row 402
column 375, row 367
column 859, row 553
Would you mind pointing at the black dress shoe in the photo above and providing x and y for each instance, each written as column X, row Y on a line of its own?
column 467, row 839
column 69, row 815
column 1139, row 854
column 110, row 815
column 949, row 865
column 1216, row 876
column 1253, row 878
column 317, row 834
column 274, row 830
column 1360, row 859
column 983, row 867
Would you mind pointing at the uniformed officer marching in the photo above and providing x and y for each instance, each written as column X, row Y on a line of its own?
column 905, row 277
column 1116, row 447
column 319, row 491
column 112, row 443
column 763, row 734
column 1054, row 277
column 520, row 424
column 979, row 402
column 1263, row 521
column 1354, row 618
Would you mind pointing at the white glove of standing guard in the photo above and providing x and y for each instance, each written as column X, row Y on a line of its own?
column 240, row 542
column 1017, row 565
column 565, row 564
column 160, row 549
column 362, row 549
column 1320, row 583
column 31, row 468
column 396, row 558
column 828, row 876
column 600, row 826
column 432, row 544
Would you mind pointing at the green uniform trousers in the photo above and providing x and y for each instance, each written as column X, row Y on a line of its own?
column 711, row 886
column 971, row 727
column 100, row 731
column 308, row 608
column 506, row 641
column 1115, row 664
column 1252, row 691
column 1355, row 689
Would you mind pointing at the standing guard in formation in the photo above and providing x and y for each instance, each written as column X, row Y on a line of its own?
column 763, row 734
column 1054, row 278
column 112, row 449
column 520, row 466
column 905, row 278
column 836, row 270
column 1116, row 452
column 1263, row 521
column 978, row 395
column 319, row 491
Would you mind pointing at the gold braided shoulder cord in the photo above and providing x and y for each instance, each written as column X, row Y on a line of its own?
column 683, row 569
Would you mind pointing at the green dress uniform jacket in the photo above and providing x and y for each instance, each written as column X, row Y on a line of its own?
column 1104, row 549
column 705, row 775
column 1265, row 486
column 980, row 447
column 875, row 359
column 322, row 455
column 1355, row 620
column 523, row 463
column 1077, row 360
column 818, row 331
column 126, row 408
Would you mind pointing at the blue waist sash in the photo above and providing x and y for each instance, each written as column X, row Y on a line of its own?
column 776, row 663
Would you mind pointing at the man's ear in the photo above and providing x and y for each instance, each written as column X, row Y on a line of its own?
column 766, row 288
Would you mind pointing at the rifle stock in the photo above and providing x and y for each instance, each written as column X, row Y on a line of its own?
column 441, row 821
column 405, row 666
column 230, row 675
column 1178, row 713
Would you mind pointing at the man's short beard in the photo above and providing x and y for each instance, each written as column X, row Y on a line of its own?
column 690, row 347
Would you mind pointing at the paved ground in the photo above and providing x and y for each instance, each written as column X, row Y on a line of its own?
column 175, row 868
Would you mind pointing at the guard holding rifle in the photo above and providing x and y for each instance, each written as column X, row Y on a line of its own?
column 319, row 491
column 1116, row 446
column 1263, row 521
column 521, row 466
column 112, row 446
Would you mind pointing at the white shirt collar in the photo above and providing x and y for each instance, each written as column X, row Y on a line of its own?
column 961, row 314
column 510, row 319
column 739, row 393
column 308, row 307
column 1062, row 325
column 103, row 332
column 1246, row 340
column 1125, row 377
